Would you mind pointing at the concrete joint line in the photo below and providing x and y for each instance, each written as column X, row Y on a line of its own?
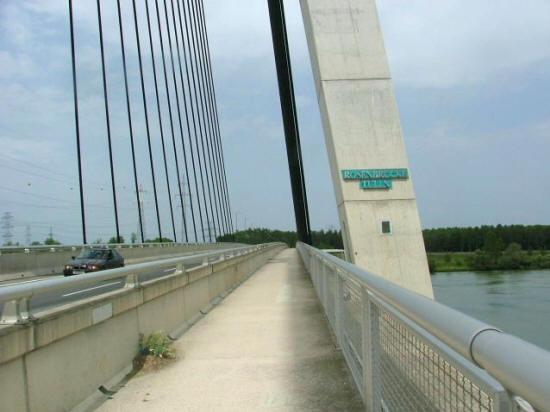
column 376, row 200
column 361, row 79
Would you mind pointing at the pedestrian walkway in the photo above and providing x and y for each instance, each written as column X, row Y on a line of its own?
column 266, row 347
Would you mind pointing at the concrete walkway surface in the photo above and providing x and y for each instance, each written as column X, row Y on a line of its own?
column 266, row 347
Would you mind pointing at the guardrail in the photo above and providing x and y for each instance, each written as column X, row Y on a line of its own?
column 63, row 248
column 16, row 298
column 408, row 352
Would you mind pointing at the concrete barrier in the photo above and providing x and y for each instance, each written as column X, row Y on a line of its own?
column 58, row 361
column 19, row 263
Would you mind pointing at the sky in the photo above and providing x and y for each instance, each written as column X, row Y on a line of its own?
column 472, row 82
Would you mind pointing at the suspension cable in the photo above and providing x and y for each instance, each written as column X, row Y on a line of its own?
column 150, row 34
column 206, row 114
column 136, row 26
column 194, row 123
column 130, row 128
column 107, row 117
column 215, row 105
column 178, row 111
column 192, row 62
column 213, row 143
column 187, row 124
column 77, row 124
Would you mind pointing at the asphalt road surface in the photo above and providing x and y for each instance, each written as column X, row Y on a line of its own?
column 53, row 299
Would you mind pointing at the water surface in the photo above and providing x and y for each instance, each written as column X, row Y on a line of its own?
column 518, row 302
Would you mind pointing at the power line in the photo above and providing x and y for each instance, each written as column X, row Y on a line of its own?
column 35, row 166
column 55, row 179
column 51, row 198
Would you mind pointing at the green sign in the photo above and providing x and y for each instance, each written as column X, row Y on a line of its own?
column 376, row 184
column 375, row 178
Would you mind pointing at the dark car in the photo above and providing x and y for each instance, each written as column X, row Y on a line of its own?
column 92, row 260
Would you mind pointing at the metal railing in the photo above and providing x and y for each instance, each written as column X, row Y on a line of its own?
column 63, row 248
column 409, row 353
column 16, row 298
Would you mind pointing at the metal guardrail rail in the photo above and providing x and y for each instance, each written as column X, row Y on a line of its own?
column 409, row 353
column 63, row 248
column 16, row 298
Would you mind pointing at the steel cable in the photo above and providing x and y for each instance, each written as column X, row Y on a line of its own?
column 77, row 124
column 207, row 116
column 147, row 128
column 216, row 118
column 211, row 108
column 130, row 127
column 193, row 120
column 107, row 117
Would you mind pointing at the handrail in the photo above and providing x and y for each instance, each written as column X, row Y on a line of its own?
column 16, row 297
column 522, row 368
column 54, row 248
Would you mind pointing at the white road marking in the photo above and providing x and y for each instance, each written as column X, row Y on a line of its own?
column 95, row 287
column 28, row 281
column 169, row 270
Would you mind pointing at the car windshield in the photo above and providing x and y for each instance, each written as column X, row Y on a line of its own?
column 93, row 254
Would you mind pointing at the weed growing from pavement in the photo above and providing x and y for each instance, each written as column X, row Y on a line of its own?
column 157, row 345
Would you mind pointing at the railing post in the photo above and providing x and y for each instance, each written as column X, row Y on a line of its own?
column 325, row 270
column 339, row 296
column 323, row 278
column 371, row 353
column 132, row 281
column 15, row 312
column 180, row 268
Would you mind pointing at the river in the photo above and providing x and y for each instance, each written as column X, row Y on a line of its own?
column 518, row 302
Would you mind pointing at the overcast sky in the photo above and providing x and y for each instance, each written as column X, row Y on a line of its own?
column 472, row 82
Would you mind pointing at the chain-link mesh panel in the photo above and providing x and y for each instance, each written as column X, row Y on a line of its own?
column 412, row 376
column 400, row 366
column 331, row 287
column 352, row 330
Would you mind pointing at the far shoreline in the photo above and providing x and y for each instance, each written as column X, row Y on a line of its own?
column 482, row 261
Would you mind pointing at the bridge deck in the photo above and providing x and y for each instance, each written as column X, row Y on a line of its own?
column 267, row 346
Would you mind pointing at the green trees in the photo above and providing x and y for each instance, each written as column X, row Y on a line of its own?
column 450, row 249
column 323, row 239
column 51, row 241
column 470, row 239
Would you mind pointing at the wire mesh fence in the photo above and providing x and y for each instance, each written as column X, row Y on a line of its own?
column 396, row 364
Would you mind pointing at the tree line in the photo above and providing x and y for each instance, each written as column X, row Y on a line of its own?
column 470, row 239
column 452, row 239
column 323, row 239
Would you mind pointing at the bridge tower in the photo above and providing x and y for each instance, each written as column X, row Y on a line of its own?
column 374, row 191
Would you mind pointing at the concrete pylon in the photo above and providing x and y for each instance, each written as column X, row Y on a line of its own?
column 369, row 165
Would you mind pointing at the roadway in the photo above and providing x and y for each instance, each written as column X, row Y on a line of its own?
column 53, row 299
